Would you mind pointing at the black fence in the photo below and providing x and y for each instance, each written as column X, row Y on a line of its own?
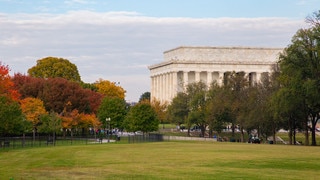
column 145, row 138
column 40, row 141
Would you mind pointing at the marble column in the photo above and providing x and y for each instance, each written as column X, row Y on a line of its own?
column 220, row 79
column 174, row 84
column 209, row 78
column 197, row 76
column 185, row 79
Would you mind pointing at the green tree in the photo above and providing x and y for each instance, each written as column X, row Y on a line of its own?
column 51, row 67
column 141, row 117
column 238, row 84
column 11, row 117
column 50, row 123
column 114, row 108
column 145, row 96
column 178, row 110
column 300, row 66
column 197, row 105
column 218, row 108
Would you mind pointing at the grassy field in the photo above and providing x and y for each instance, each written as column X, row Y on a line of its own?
column 162, row 160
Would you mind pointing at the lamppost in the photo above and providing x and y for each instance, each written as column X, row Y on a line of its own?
column 108, row 120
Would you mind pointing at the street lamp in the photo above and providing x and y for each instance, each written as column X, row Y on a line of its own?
column 108, row 120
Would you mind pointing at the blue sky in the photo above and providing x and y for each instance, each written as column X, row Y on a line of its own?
column 170, row 8
column 117, row 40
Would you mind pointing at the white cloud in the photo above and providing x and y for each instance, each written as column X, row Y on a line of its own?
column 119, row 46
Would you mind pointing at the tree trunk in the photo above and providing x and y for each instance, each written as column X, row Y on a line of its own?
column 210, row 133
column 274, row 135
column 203, row 130
column 306, row 132
column 34, row 135
column 313, row 133
column 290, row 131
column 54, row 138
column 233, row 128
column 242, row 135
column 294, row 132
column 23, row 139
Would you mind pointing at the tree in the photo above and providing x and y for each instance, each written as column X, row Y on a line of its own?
column 33, row 109
column 197, row 100
column 300, row 71
column 28, row 86
column 50, row 123
column 57, row 92
column 6, row 84
column 51, row 67
column 145, row 96
column 110, row 89
column 218, row 108
column 178, row 109
column 11, row 117
column 89, row 120
column 160, row 109
column 141, row 117
column 238, row 85
column 114, row 108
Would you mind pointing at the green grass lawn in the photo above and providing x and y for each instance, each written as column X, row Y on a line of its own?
column 162, row 160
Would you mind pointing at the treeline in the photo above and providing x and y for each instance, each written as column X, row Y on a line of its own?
column 52, row 99
column 289, row 98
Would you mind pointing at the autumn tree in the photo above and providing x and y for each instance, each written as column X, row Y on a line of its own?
column 57, row 92
column 110, row 89
column 51, row 67
column 33, row 109
column 88, row 121
column 28, row 86
column 160, row 109
column 6, row 84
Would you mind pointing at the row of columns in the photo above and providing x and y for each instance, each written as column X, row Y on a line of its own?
column 165, row 86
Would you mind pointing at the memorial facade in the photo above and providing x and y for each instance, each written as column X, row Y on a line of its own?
column 184, row 65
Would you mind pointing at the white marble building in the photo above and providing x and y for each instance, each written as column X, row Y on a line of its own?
column 185, row 65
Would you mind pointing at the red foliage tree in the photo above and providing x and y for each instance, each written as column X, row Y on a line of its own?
column 58, row 94
column 6, row 84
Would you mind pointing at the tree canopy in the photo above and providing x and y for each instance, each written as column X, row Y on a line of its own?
column 6, row 84
column 110, row 89
column 57, row 92
column 141, row 117
column 11, row 117
column 300, row 76
column 114, row 108
column 52, row 67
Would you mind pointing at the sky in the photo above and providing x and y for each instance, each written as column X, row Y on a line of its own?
column 117, row 40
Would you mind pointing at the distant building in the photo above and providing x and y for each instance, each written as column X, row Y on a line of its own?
column 184, row 65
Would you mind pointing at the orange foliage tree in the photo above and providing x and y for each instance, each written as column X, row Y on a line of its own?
column 6, row 84
column 79, row 121
column 110, row 89
column 32, row 108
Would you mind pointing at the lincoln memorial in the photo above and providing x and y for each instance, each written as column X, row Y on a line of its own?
column 184, row 65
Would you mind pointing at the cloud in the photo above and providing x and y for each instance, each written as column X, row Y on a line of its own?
column 119, row 46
